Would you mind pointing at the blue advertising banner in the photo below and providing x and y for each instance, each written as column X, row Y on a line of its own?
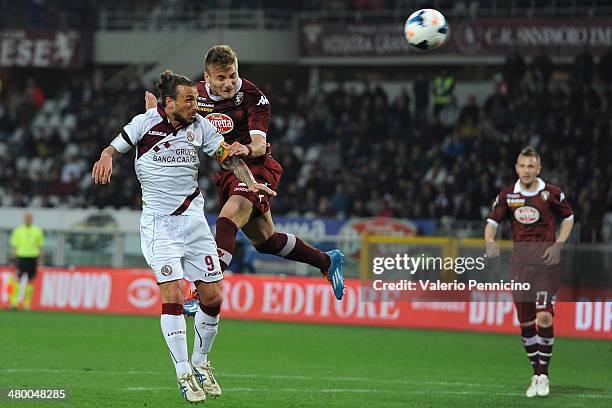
column 324, row 226
column 327, row 234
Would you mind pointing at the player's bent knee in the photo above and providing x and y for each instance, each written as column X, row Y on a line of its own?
column 273, row 245
column 212, row 309
column 211, row 301
column 544, row 319
column 237, row 209
column 172, row 292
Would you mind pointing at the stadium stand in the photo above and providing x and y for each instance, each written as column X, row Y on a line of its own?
column 420, row 165
column 447, row 167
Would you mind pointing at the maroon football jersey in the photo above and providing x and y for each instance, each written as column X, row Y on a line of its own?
column 248, row 112
column 533, row 215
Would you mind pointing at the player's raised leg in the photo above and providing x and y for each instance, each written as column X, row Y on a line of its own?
column 206, row 326
column 265, row 239
column 236, row 214
column 174, row 330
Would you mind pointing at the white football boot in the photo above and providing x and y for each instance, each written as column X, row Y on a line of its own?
column 190, row 388
column 206, row 377
column 543, row 388
column 532, row 391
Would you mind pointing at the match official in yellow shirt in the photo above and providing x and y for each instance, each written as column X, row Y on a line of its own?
column 28, row 243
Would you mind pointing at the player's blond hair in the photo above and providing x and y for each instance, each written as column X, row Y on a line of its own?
column 220, row 56
column 529, row 152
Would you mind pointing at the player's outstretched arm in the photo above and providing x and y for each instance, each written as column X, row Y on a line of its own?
column 103, row 168
column 242, row 173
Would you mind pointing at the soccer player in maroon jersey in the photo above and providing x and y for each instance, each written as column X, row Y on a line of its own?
column 533, row 208
column 241, row 112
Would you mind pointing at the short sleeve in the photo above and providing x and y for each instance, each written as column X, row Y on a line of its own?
column 130, row 135
column 560, row 205
column 258, row 112
column 211, row 138
column 499, row 210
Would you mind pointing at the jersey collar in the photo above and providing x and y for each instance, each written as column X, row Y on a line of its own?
column 220, row 98
column 518, row 189
column 161, row 111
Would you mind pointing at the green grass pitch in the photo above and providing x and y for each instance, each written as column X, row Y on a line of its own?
column 122, row 361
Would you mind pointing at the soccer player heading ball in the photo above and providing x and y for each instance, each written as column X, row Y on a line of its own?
column 533, row 208
column 240, row 112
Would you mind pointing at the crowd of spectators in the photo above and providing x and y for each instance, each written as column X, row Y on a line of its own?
column 344, row 153
column 364, row 154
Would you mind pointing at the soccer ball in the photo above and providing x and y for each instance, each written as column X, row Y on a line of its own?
column 426, row 29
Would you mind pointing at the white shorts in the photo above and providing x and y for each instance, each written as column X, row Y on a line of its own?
column 179, row 247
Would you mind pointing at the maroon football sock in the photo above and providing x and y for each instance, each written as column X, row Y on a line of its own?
column 226, row 240
column 291, row 247
column 546, row 339
column 530, row 342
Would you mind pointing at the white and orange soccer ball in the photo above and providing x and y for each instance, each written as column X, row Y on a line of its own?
column 426, row 29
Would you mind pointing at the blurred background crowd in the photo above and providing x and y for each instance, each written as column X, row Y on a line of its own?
column 347, row 151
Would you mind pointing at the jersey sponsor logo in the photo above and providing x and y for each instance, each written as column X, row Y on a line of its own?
column 190, row 136
column 545, row 195
column 527, row 215
column 513, row 195
column 239, row 98
column 157, row 133
column 221, row 121
column 515, row 202
column 263, row 101
column 143, row 293
column 166, row 270
column 203, row 106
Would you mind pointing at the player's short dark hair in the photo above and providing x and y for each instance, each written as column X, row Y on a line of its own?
column 221, row 56
column 530, row 152
column 168, row 82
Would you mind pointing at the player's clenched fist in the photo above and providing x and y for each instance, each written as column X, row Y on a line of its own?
column 238, row 150
column 102, row 170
